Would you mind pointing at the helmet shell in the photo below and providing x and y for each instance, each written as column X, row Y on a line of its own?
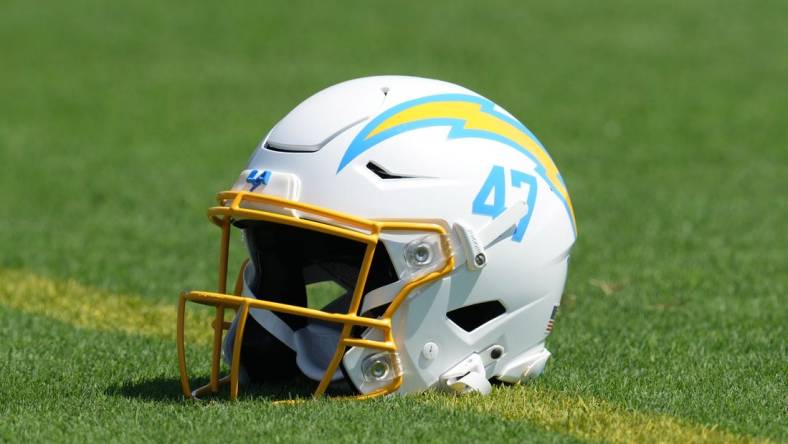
column 396, row 147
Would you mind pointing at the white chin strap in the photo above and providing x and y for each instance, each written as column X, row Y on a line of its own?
column 314, row 344
column 467, row 377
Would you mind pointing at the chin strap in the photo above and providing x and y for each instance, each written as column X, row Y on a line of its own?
column 313, row 344
column 467, row 377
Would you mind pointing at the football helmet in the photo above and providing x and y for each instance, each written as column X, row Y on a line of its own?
column 402, row 234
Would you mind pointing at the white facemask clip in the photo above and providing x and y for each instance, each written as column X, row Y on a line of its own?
column 474, row 242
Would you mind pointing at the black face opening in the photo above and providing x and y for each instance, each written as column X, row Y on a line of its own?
column 304, row 268
column 307, row 268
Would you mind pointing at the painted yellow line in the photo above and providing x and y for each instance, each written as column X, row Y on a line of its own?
column 582, row 417
column 590, row 419
column 86, row 307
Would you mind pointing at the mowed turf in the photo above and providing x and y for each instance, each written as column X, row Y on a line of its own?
column 119, row 122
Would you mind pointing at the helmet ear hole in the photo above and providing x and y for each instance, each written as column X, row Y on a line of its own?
column 473, row 316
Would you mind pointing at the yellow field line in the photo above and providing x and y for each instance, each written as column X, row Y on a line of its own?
column 591, row 419
column 582, row 417
column 87, row 307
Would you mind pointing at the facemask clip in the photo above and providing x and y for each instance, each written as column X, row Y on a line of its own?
column 474, row 242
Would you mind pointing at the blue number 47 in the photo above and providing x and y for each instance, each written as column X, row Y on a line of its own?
column 491, row 199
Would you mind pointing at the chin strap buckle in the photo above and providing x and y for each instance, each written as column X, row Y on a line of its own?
column 467, row 377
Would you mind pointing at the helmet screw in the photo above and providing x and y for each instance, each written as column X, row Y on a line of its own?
column 480, row 260
column 422, row 254
column 379, row 369
column 496, row 352
column 419, row 254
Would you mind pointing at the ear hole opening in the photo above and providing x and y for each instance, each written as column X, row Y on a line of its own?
column 471, row 317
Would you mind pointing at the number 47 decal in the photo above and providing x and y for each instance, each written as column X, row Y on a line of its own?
column 494, row 189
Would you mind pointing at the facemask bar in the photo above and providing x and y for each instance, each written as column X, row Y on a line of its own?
column 236, row 205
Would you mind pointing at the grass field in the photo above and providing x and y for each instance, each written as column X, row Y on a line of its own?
column 119, row 121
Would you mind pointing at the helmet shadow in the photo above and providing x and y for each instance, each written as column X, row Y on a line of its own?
column 166, row 390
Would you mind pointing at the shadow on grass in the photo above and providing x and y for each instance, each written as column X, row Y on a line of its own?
column 156, row 389
column 168, row 390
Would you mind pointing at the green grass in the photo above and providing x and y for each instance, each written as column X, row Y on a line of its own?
column 119, row 122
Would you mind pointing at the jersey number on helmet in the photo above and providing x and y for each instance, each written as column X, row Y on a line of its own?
column 491, row 199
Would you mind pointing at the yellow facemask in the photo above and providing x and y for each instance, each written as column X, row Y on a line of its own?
column 243, row 205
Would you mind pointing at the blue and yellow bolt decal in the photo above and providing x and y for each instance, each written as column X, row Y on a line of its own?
column 468, row 116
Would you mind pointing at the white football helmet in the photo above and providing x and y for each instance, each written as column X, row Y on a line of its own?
column 403, row 234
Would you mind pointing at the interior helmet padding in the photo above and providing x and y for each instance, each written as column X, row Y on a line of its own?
column 284, row 260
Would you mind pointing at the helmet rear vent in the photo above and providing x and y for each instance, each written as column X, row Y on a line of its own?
column 471, row 317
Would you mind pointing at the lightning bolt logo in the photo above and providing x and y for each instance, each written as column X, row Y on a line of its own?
column 467, row 116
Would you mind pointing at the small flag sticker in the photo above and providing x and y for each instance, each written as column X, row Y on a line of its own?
column 552, row 319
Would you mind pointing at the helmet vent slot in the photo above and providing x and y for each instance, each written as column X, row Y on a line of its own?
column 471, row 317
column 284, row 149
column 382, row 173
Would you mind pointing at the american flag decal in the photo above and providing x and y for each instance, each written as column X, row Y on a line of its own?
column 552, row 319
